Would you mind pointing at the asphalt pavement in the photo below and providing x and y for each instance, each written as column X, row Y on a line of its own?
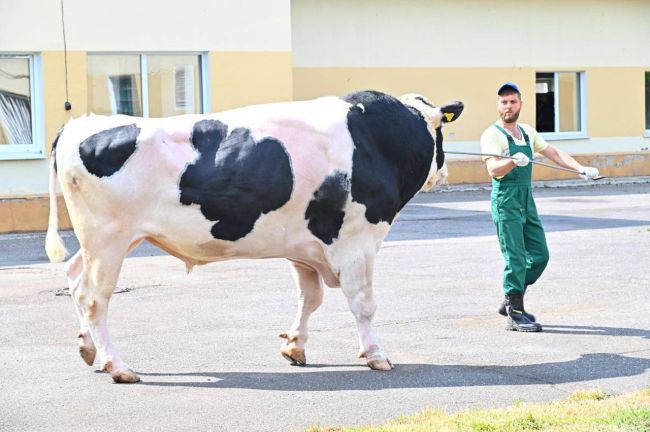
column 206, row 345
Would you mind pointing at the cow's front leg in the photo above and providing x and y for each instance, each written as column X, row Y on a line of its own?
column 101, row 269
column 73, row 270
column 356, row 283
column 310, row 296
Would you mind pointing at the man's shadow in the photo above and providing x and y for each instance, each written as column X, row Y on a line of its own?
column 585, row 368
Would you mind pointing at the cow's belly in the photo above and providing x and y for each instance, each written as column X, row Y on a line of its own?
column 186, row 234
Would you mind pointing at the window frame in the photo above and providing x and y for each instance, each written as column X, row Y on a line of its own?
column 646, row 91
column 204, row 74
column 582, row 101
column 36, row 149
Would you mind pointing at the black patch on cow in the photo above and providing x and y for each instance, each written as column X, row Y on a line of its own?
column 393, row 151
column 325, row 211
column 440, row 153
column 104, row 153
column 235, row 178
column 54, row 143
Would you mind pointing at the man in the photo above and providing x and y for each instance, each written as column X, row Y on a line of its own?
column 520, row 232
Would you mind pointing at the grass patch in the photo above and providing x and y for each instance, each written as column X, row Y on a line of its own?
column 584, row 411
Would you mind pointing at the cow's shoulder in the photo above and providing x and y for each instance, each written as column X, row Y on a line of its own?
column 392, row 156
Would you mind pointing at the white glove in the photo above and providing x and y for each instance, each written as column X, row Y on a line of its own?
column 588, row 173
column 520, row 159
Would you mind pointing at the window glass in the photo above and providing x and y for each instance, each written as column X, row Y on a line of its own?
column 569, row 102
column 174, row 85
column 114, row 84
column 15, row 100
column 545, row 102
column 558, row 106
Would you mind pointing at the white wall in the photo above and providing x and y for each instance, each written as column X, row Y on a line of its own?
column 146, row 25
column 471, row 33
column 24, row 177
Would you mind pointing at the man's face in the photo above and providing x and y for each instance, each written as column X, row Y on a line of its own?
column 508, row 107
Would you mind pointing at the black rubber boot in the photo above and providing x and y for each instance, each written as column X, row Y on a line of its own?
column 502, row 310
column 504, row 303
column 517, row 320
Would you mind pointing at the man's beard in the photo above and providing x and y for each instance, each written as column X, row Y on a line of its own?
column 512, row 119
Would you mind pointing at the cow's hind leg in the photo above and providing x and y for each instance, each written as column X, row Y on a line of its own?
column 73, row 270
column 356, row 283
column 310, row 296
column 101, row 268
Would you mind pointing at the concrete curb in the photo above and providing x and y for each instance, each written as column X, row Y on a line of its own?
column 548, row 184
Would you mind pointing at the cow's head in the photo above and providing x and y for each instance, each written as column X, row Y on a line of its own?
column 435, row 118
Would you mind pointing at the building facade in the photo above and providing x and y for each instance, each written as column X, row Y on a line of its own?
column 583, row 67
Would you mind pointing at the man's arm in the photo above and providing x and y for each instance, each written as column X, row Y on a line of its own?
column 561, row 158
column 565, row 160
column 498, row 167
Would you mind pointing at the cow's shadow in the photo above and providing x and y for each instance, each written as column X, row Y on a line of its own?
column 596, row 331
column 586, row 368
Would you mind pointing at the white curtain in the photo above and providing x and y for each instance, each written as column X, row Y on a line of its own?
column 15, row 118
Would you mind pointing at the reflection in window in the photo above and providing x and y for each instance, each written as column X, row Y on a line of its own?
column 114, row 84
column 558, row 102
column 15, row 100
column 173, row 85
column 149, row 85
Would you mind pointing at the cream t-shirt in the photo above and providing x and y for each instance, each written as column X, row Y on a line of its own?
column 495, row 142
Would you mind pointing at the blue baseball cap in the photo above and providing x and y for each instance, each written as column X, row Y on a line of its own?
column 508, row 85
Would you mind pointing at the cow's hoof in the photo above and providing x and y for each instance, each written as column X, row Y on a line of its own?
column 125, row 377
column 87, row 349
column 295, row 356
column 376, row 358
column 380, row 364
column 121, row 376
column 88, row 354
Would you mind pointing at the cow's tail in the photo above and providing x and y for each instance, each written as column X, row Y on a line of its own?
column 54, row 246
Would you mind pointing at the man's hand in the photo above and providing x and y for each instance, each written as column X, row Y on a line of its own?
column 589, row 173
column 521, row 160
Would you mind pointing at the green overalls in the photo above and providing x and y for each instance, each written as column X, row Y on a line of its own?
column 520, row 232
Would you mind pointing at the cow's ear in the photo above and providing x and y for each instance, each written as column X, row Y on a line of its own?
column 451, row 111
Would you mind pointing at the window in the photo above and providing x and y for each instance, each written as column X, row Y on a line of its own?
column 647, row 103
column 147, row 85
column 559, row 99
column 20, row 108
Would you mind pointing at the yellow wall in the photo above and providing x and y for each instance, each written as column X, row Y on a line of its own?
column 614, row 96
column 54, row 90
column 476, row 87
column 615, row 101
column 245, row 78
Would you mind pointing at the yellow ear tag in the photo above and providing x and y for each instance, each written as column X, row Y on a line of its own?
column 449, row 116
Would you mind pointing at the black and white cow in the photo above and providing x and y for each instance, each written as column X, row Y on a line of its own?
column 317, row 182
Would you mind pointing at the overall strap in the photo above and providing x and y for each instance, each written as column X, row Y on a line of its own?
column 519, row 176
column 503, row 131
